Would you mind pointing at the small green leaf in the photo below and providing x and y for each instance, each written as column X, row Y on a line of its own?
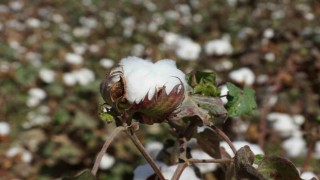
column 240, row 102
column 278, row 168
column 258, row 158
column 105, row 116
column 203, row 83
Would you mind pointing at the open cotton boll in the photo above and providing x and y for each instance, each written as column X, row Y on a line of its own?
column 26, row 156
column 4, row 128
column 106, row 162
column 47, row 75
column 283, row 123
column 317, row 150
column 143, row 77
column 300, row 146
column 218, row 47
column 144, row 171
column 243, row 75
column 73, row 58
column 188, row 50
column 256, row 149
column 204, row 167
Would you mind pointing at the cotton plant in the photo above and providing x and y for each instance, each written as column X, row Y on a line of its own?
column 138, row 91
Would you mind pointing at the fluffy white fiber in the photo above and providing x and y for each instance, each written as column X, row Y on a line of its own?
column 143, row 77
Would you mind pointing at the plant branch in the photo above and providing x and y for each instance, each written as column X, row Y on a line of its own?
column 223, row 160
column 142, row 150
column 226, row 138
column 179, row 170
column 103, row 150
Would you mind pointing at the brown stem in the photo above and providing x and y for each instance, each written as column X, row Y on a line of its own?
column 103, row 150
column 223, row 160
column 226, row 138
column 140, row 147
column 309, row 155
column 179, row 170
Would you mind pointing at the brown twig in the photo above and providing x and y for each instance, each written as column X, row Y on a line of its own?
column 179, row 170
column 226, row 138
column 148, row 158
column 223, row 160
column 103, row 150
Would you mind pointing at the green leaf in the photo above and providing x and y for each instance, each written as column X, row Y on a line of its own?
column 278, row 168
column 258, row 158
column 202, row 106
column 240, row 102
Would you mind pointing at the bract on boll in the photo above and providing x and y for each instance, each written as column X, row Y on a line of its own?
column 148, row 91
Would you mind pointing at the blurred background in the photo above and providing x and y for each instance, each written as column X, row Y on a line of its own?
column 54, row 54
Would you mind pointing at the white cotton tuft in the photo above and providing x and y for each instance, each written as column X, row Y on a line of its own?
column 107, row 162
column 106, row 63
column 243, row 75
column 300, row 145
column 204, row 167
column 188, row 173
column 26, row 156
column 36, row 95
column 143, row 77
column 218, row 47
column 256, row 149
column 308, row 175
column 317, row 150
column 223, row 92
column 4, row 128
column 188, row 50
column 72, row 58
column 47, row 75
column 282, row 123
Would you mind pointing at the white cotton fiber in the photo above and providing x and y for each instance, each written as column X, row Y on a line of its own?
column 144, row 77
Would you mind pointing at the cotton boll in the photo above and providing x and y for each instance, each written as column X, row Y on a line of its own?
column 218, row 47
column 84, row 76
column 283, row 124
column 155, row 76
column 137, row 50
column 35, row 96
column 106, row 162
column 145, row 171
column 106, row 63
column 4, row 128
column 47, row 75
column 317, row 150
column 243, row 75
column 73, row 58
column 187, row 174
column 204, row 167
column 256, row 149
column 69, row 79
column 188, row 50
column 308, row 175
column 268, row 33
column 299, row 143
column 153, row 148
column 26, row 156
